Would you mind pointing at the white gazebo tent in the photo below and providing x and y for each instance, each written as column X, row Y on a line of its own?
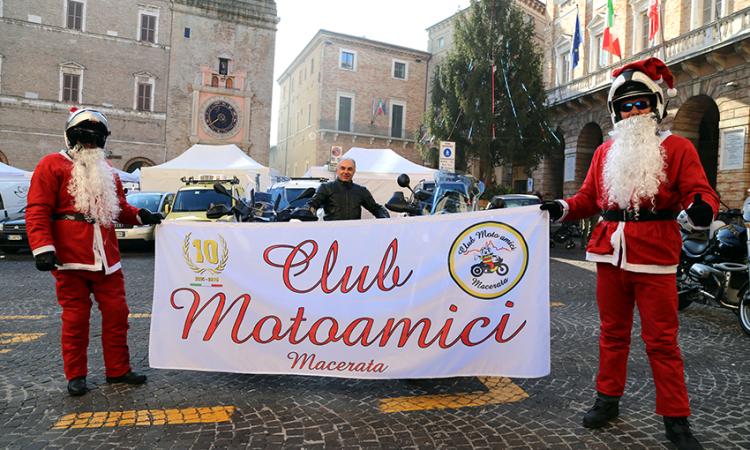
column 203, row 161
column 377, row 169
column 14, row 187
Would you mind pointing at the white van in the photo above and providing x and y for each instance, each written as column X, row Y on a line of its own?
column 13, row 198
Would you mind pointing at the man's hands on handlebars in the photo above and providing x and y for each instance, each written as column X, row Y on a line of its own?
column 554, row 207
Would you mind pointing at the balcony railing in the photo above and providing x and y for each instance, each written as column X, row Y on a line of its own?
column 726, row 30
column 365, row 129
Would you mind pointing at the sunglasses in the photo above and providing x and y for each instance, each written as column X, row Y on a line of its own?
column 639, row 105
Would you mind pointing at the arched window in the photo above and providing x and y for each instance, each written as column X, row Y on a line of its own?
column 137, row 163
column 230, row 83
column 214, row 81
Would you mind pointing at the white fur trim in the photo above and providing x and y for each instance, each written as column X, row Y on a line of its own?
column 43, row 249
column 566, row 209
column 672, row 92
column 618, row 242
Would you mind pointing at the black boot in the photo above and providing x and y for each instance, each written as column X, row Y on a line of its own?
column 129, row 378
column 77, row 386
column 678, row 431
column 606, row 408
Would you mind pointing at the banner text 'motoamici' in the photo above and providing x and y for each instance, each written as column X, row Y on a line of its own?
column 362, row 331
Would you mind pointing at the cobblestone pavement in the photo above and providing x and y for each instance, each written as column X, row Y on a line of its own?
column 254, row 411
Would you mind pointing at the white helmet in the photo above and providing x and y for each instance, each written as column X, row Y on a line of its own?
column 640, row 79
column 86, row 126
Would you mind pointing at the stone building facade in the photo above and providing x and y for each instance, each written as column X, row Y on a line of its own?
column 154, row 68
column 705, row 43
column 344, row 91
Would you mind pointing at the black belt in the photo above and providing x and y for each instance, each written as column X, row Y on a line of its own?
column 78, row 217
column 629, row 215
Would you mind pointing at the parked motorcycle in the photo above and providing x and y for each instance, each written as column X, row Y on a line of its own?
column 744, row 309
column 261, row 208
column 713, row 266
column 453, row 193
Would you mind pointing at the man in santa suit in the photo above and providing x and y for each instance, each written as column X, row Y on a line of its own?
column 639, row 181
column 73, row 202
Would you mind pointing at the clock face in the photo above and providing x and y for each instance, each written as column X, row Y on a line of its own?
column 220, row 117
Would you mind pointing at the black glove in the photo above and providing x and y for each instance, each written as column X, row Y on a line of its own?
column 149, row 218
column 46, row 261
column 700, row 212
column 554, row 207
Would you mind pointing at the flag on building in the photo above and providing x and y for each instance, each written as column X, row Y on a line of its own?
column 653, row 19
column 574, row 48
column 610, row 43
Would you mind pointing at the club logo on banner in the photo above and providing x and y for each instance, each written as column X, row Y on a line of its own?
column 207, row 258
column 488, row 259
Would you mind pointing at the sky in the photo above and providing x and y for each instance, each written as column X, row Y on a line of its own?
column 399, row 22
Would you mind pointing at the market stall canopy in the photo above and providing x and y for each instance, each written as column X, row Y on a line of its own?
column 11, row 173
column 203, row 161
column 377, row 169
column 128, row 177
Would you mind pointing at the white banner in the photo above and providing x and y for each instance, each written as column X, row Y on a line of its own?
column 438, row 296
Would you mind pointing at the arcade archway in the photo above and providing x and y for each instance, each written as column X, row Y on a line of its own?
column 698, row 120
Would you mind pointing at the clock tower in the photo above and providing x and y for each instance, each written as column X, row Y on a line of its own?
column 221, row 112
column 222, row 92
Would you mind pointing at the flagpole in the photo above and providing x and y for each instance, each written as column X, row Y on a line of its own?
column 661, row 32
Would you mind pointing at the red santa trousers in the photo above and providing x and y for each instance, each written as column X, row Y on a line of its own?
column 617, row 292
column 74, row 289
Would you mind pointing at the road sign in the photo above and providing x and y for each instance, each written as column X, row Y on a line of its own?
column 447, row 156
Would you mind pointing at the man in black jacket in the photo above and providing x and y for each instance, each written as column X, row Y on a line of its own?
column 342, row 199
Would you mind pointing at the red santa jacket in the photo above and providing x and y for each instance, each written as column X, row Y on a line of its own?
column 78, row 245
column 648, row 246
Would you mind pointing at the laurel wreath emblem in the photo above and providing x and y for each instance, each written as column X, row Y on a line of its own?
column 201, row 270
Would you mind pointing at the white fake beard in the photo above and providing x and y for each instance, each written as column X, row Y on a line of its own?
column 635, row 165
column 92, row 185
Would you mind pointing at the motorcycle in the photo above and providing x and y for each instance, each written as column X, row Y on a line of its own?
column 490, row 264
column 713, row 267
column 452, row 193
column 744, row 309
column 261, row 208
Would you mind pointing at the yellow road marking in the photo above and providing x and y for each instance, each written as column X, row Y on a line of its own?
column 556, row 304
column 5, row 350
column 145, row 417
column 139, row 315
column 17, row 338
column 500, row 390
column 37, row 317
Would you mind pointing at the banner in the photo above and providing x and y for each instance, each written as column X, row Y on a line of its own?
column 410, row 297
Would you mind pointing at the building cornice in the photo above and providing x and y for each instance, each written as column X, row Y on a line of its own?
column 61, row 30
column 257, row 13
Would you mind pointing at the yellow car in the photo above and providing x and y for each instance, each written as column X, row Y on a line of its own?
column 193, row 200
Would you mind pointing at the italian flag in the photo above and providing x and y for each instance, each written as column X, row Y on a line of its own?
column 610, row 43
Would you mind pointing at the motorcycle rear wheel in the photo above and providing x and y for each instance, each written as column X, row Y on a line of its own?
column 744, row 313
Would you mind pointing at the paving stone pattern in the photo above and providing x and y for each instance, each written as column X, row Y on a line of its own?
column 317, row 412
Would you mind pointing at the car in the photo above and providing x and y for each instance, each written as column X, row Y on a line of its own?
column 13, row 236
column 156, row 202
column 513, row 200
column 194, row 198
column 287, row 191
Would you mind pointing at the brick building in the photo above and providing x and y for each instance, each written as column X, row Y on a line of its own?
column 346, row 91
column 159, row 70
column 705, row 43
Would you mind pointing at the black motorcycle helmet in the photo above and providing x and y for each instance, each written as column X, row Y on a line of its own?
column 730, row 242
column 86, row 126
